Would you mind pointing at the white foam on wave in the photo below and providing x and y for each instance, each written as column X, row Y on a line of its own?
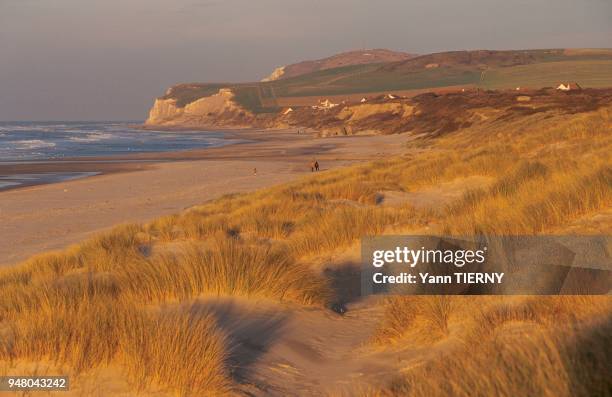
column 33, row 144
column 92, row 137
column 5, row 184
column 82, row 139
column 32, row 128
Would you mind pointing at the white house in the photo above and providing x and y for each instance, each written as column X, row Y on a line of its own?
column 569, row 86
column 326, row 104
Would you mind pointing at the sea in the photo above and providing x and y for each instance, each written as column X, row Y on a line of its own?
column 25, row 142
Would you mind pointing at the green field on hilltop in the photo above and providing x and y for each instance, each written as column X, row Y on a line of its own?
column 587, row 72
column 374, row 80
column 187, row 93
column 595, row 74
column 485, row 69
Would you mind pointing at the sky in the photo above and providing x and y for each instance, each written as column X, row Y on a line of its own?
column 109, row 59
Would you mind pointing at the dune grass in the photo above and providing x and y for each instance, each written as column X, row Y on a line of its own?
column 105, row 301
column 83, row 321
column 543, row 346
column 95, row 304
column 505, row 346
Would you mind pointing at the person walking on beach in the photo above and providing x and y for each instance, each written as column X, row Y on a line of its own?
column 316, row 164
column 254, row 171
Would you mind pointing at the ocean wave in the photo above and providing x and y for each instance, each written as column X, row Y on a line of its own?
column 83, row 139
column 32, row 128
column 33, row 144
column 95, row 137
column 4, row 184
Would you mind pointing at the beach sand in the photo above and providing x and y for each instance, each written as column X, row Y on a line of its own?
column 139, row 188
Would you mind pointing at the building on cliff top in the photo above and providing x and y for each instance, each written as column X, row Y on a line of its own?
column 326, row 104
column 569, row 86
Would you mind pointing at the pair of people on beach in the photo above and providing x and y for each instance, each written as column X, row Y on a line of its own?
column 314, row 166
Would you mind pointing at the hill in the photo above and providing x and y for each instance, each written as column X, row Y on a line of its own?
column 359, row 57
column 439, row 72
column 482, row 59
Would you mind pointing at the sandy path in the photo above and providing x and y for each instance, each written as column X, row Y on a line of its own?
column 284, row 350
column 47, row 217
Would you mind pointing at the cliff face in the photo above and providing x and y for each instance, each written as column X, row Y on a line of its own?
column 163, row 111
column 215, row 110
column 428, row 114
column 276, row 74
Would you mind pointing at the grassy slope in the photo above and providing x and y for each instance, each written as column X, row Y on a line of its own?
column 591, row 73
column 545, row 69
column 504, row 69
column 187, row 93
column 373, row 79
column 117, row 295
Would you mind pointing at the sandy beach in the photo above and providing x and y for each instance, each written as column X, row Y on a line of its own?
column 139, row 188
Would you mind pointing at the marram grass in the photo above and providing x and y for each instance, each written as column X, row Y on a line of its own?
column 122, row 298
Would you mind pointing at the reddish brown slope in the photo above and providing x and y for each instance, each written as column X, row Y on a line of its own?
column 359, row 57
column 477, row 58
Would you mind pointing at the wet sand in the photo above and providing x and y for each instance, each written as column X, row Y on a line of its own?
column 139, row 188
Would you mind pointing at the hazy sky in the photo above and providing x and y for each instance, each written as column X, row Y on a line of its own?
column 108, row 59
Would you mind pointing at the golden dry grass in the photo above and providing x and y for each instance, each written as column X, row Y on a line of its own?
column 505, row 346
column 83, row 321
column 104, row 301
column 547, row 175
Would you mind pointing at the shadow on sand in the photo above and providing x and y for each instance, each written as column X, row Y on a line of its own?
column 251, row 330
